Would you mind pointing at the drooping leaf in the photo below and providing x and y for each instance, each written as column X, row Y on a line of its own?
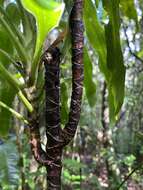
column 107, row 45
column 96, row 35
column 90, row 86
column 114, row 57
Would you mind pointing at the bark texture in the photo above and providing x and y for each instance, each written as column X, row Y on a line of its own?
column 58, row 138
column 77, row 29
column 53, row 129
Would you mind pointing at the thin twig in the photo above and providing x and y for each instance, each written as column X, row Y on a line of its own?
column 128, row 44
column 127, row 177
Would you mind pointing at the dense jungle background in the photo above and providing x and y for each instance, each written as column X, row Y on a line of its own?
column 107, row 150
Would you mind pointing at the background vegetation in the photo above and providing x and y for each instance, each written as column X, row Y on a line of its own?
column 107, row 149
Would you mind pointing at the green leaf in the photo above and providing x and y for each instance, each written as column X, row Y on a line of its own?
column 6, row 45
column 9, row 77
column 90, row 87
column 12, row 10
column 114, row 57
column 12, row 111
column 1, row 2
column 29, row 25
column 9, row 171
column 95, row 34
column 15, row 84
column 12, row 26
column 19, row 47
column 7, row 95
column 107, row 45
column 128, row 8
column 47, row 15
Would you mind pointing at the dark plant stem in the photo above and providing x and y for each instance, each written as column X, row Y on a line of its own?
column 53, row 130
column 103, row 120
column 56, row 137
column 106, row 143
column 77, row 38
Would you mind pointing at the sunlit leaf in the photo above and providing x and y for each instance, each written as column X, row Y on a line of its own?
column 47, row 15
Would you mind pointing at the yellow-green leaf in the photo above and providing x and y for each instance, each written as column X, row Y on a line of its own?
column 47, row 14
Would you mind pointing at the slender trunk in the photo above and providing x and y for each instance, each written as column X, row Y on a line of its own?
column 105, row 129
column 53, row 129
column 58, row 138
column 77, row 29
column 107, row 142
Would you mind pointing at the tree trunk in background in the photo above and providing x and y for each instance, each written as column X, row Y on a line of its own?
column 108, row 143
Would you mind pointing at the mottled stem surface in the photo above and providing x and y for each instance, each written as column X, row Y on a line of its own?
column 57, row 138
column 77, row 29
column 53, row 129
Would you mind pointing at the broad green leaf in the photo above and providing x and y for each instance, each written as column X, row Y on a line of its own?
column 114, row 57
column 47, row 15
column 90, row 87
column 129, row 9
column 107, row 45
column 6, row 45
column 96, row 35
